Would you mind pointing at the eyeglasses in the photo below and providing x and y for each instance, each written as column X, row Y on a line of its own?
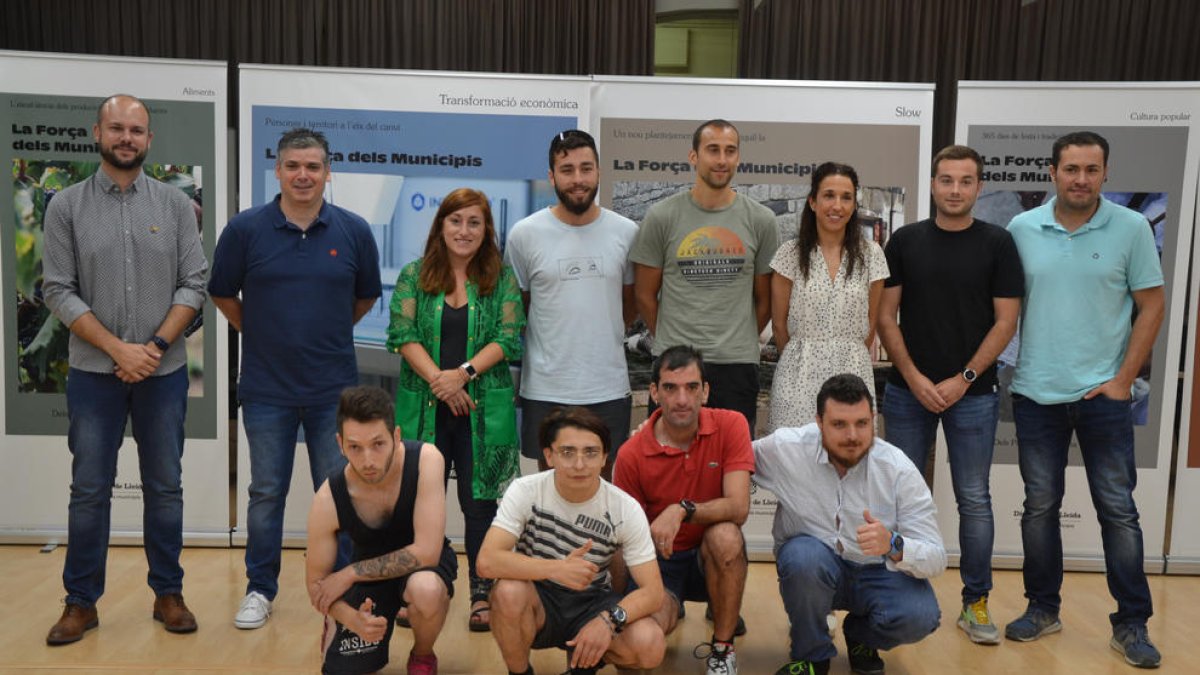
column 590, row 455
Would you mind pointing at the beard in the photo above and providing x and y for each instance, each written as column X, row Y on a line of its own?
column 577, row 207
column 109, row 154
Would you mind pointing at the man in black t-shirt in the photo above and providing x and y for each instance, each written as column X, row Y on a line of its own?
column 391, row 500
column 957, row 284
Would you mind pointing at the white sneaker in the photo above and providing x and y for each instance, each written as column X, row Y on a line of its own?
column 717, row 662
column 253, row 611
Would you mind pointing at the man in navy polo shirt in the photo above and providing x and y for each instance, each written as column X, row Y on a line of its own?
column 307, row 271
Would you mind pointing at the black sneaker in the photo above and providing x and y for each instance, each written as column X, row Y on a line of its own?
column 864, row 660
column 737, row 632
column 804, row 668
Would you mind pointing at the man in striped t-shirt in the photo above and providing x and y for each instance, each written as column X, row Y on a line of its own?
column 550, row 547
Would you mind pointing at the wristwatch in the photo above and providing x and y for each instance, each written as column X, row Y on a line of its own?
column 897, row 545
column 617, row 616
column 470, row 370
column 969, row 375
column 689, row 509
column 162, row 344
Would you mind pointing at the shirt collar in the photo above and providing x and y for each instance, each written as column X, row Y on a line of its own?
column 280, row 221
column 1099, row 219
column 708, row 426
column 108, row 186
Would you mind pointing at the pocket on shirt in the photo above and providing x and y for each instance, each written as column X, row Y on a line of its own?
column 499, row 417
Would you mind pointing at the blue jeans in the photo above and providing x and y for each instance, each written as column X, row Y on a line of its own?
column 1104, row 428
column 886, row 609
column 970, row 428
column 98, row 405
column 272, row 433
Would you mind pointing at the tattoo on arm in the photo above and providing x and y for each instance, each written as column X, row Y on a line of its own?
column 387, row 566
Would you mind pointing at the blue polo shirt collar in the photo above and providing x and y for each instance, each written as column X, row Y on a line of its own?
column 1099, row 219
column 280, row 221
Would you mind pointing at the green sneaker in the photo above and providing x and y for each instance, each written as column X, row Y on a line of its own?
column 977, row 623
column 864, row 660
column 804, row 668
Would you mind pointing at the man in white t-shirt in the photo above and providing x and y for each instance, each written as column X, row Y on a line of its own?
column 550, row 547
column 573, row 258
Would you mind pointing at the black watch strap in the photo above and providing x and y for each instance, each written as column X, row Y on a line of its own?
column 162, row 344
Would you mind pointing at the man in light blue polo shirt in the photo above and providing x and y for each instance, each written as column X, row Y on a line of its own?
column 1088, row 263
column 306, row 271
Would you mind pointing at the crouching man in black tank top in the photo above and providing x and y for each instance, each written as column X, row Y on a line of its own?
column 391, row 500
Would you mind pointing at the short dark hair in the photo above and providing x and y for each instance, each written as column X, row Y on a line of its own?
column 100, row 108
column 952, row 152
column 302, row 138
column 576, row 417
column 717, row 123
column 366, row 404
column 845, row 388
column 1079, row 138
column 674, row 358
column 571, row 139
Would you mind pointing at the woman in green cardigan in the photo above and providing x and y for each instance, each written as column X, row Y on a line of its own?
column 456, row 318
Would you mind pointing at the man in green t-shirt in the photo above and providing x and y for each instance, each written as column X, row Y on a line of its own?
column 702, row 270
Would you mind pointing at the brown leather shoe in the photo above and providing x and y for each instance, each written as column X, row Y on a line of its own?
column 176, row 617
column 74, row 622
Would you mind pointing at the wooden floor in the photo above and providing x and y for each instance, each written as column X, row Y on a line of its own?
column 128, row 641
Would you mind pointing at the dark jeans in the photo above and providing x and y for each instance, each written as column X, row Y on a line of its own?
column 98, row 405
column 970, row 428
column 272, row 432
column 453, row 438
column 886, row 609
column 614, row 413
column 1104, row 428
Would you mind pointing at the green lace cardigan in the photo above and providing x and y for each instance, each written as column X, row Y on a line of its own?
column 416, row 316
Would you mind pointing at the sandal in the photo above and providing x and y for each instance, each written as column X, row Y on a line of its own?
column 480, row 589
column 476, row 623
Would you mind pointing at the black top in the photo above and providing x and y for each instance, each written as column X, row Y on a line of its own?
column 454, row 337
column 949, row 281
column 398, row 532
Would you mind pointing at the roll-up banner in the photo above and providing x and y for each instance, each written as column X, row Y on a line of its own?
column 1183, row 555
column 47, row 144
column 1152, row 169
column 644, row 128
column 400, row 141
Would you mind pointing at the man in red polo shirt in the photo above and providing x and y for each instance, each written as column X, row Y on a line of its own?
column 689, row 467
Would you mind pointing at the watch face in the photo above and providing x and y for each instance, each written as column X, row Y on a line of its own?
column 619, row 614
column 969, row 375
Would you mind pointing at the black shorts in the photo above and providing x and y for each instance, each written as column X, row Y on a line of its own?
column 683, row 576
column 348, row 654
column 567, row 611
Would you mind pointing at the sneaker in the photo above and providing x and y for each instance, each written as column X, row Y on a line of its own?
column 864, row 660
column 719, row 657
column 1133, row 642
column 421, row 665
column 804, row 668
column 253, row 611
column 977, row 623
column 1031, row 625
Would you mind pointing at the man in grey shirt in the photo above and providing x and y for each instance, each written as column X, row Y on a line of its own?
column 124, row 270
column 855, row 529
column 702, row 271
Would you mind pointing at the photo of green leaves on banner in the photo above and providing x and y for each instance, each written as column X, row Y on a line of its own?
column 41, row 338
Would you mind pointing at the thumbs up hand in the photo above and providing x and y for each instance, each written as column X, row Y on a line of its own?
column 367, row 626
column 575, row 571
column 873, row 536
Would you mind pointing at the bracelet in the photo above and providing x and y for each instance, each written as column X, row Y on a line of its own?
column 608, row 622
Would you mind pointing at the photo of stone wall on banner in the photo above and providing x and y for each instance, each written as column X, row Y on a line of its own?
column 644, row 130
